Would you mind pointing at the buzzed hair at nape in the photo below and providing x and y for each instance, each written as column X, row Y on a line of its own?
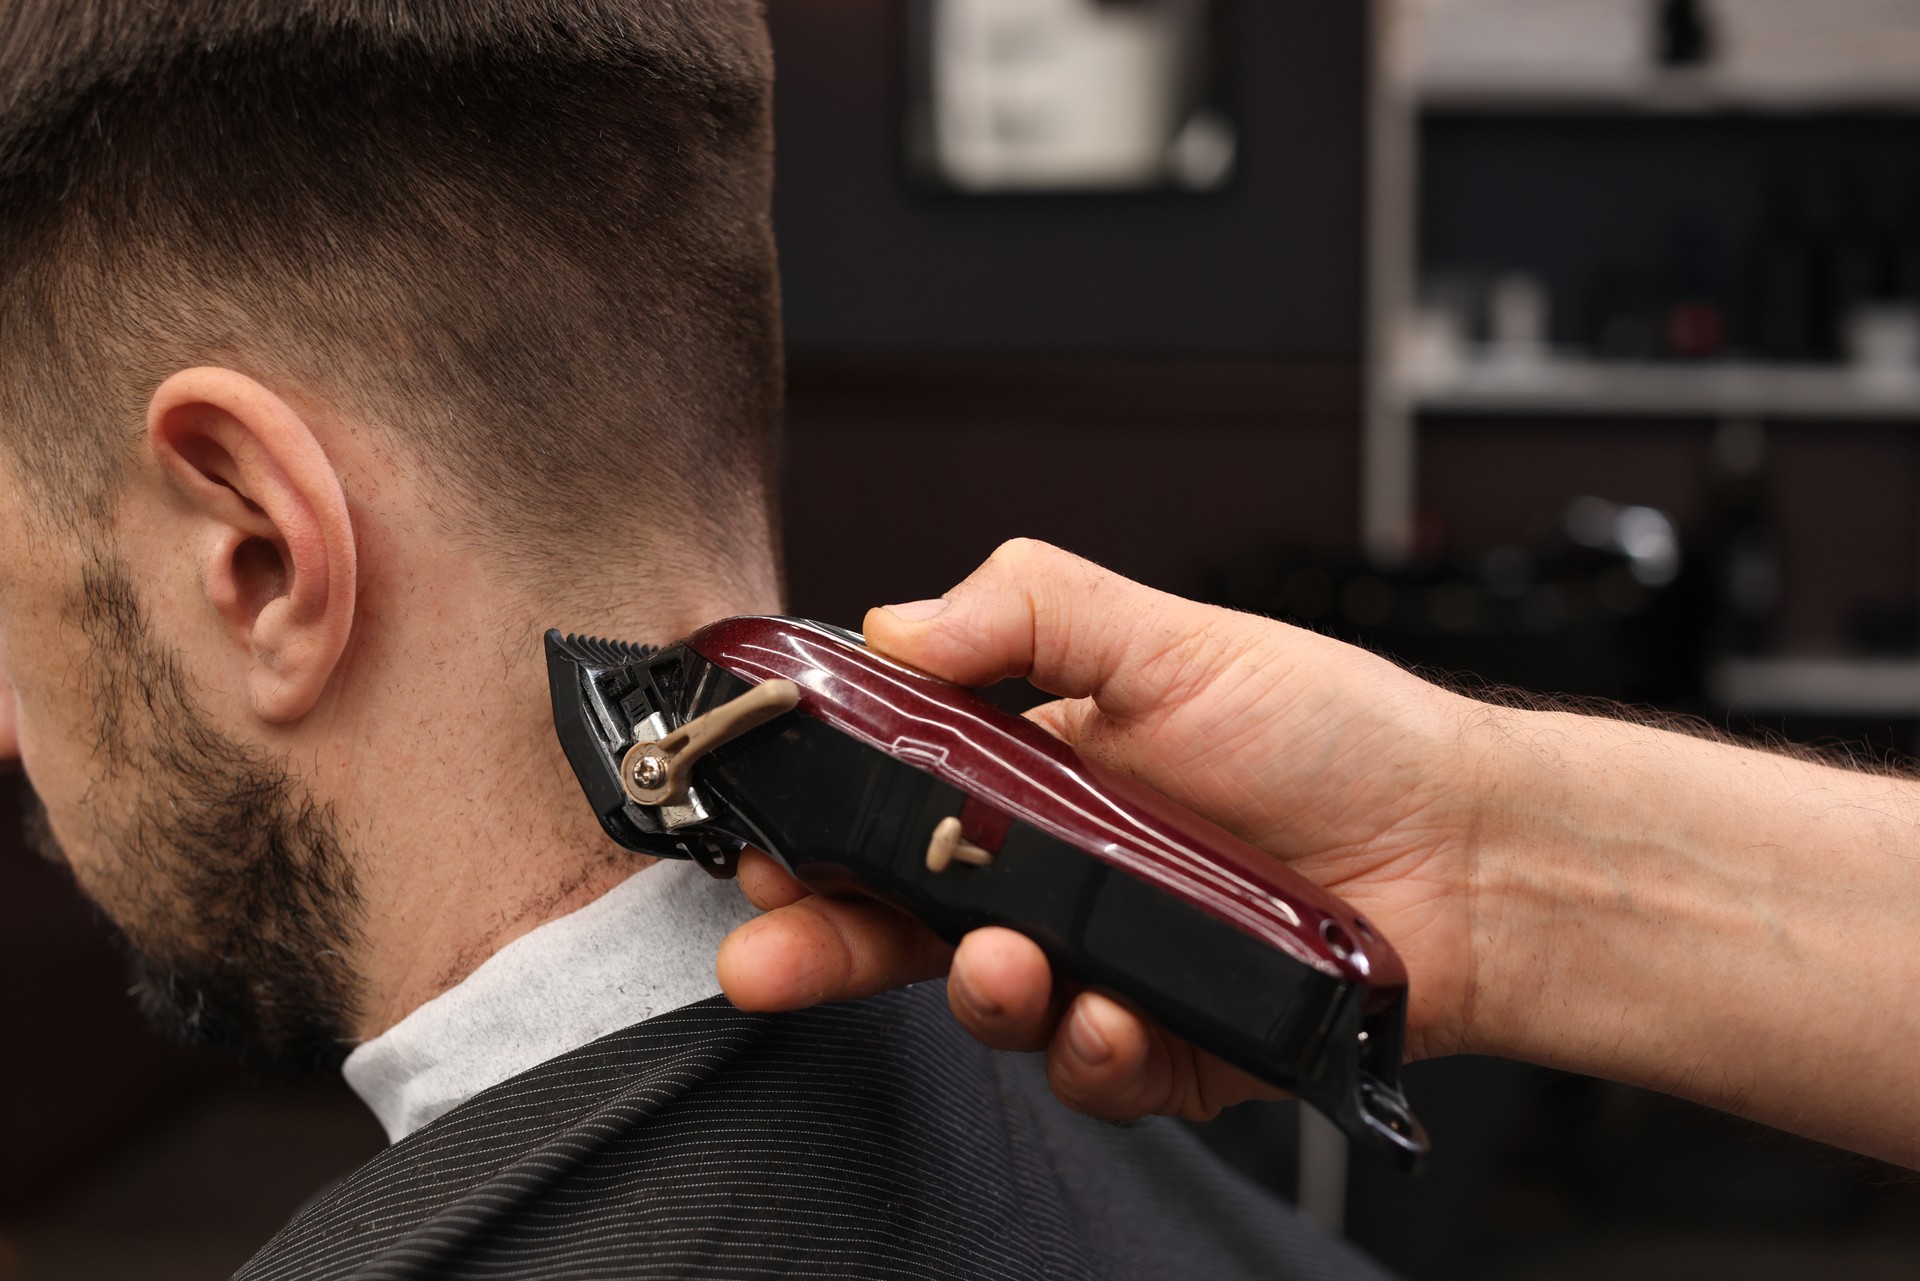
column 531, row 237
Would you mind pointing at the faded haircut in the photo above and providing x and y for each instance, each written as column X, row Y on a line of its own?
column 531, row 238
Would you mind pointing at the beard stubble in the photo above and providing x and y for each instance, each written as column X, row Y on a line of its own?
column 229, row 886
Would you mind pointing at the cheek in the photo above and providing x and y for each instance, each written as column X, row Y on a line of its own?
column 45, row 698
column 43, row 730
column 9, row 723
column 63, row 771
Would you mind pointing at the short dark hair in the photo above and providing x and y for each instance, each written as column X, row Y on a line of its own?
column 534, row 236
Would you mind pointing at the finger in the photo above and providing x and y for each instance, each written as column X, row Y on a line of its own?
column 1066, row 624
column 822, row 949
column 1108, row 1061
column 766, row 884
column 1001, row 990
column 1104, row 1061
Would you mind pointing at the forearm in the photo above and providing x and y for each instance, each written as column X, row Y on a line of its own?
column 1728, row 925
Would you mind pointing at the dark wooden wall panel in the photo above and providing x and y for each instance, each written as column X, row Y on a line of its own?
column 897, row 486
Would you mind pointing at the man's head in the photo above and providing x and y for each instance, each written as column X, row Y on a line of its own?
column 347, row 344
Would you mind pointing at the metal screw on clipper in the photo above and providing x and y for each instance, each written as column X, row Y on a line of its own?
column 649, row 772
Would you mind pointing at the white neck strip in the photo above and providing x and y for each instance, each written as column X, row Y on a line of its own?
column 642, row 949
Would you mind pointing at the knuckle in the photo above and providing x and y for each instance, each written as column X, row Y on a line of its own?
column 1019, row 555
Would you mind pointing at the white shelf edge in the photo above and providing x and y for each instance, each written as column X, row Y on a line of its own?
column 1818, row 686
column 1662, row 96
column 1560, row 387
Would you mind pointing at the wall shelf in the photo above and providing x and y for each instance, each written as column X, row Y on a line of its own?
column 1566, row 387
column 1658, row 95
column 1534, row 57
column 1831, row 687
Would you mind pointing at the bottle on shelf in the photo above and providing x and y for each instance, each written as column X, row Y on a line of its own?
column 1620, row 316
column 1745, row 540
column 1518, row 311
column 1903, row 266
column 1693, row 321
column 1781, row 287
column 1853, row 257
column 1881, row 322
column 1684, row 34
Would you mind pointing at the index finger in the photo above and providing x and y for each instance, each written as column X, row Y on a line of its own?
column 1069, row 626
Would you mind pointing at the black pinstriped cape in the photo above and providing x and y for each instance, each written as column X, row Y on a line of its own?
column 871, row 1140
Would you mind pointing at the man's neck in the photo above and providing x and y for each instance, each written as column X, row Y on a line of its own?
column 473, row 844
column 466, row 818
column 643, row 949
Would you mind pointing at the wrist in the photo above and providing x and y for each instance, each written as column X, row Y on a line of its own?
column 1564, row 810
column 1699, row 918
column 1499, row 781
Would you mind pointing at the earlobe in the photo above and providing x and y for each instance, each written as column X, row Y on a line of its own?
column 269, row 517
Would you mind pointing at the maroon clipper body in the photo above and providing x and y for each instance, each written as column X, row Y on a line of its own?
column 1020, row 770
column 858, row 772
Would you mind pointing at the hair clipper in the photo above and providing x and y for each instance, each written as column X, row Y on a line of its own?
column 859, row 773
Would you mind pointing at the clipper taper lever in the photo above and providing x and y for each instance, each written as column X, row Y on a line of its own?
column 656, row 772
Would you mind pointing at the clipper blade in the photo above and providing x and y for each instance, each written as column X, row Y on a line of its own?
column 591, row 651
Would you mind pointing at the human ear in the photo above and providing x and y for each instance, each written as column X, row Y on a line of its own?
column 268, row 518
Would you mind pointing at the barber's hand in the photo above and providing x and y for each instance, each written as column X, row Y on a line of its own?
column 1336, row 761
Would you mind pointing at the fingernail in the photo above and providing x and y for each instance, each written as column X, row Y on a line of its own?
column 982, row 1007
column 917, row 611
column 1084, row 1039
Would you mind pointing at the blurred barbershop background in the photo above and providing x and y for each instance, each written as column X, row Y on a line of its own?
column 1571, row 345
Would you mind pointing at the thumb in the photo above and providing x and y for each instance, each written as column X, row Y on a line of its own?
column 1072, row 628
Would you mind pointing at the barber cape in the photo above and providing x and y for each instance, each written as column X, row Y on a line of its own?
column 867, row 1140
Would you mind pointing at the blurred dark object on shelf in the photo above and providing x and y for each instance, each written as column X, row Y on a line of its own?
column 1620, row 315
column 1685, row 35
column 1859, row 246
column 1744, row 537
column 1784, row 284
column 1695, row 324
column 1598, row 601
